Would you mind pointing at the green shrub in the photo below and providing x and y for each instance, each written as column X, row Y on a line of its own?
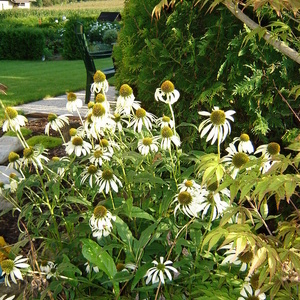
column 204, row 56
column 49, row 142
column 110, row 36
column 21, row 43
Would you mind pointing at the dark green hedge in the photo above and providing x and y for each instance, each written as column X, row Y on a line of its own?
column 21, row 43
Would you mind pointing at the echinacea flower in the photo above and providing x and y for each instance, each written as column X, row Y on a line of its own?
column 73, row 102
column 142, row 118
column 118, row 120
column 125, row 100
column 98, row 156
column 189, row 203
column 248, row 293
column 101, row 222
column 78, row 146
column 165, row 121
column 89, row 267
column 243, row 259
column 99, row 115
column 213, row 200
column 101, row 98
column 56, row 122
column 13, row 121
column 217, row 124
column 100, row 84
column 167, row 93
column 34, row 156
column 109, row 181
column 245, row 144
column 167, row 136
column 147, row 145
column 49, row 268
column 160, row 271
column 268, row 149
column 12, row 269
column 92, row 173
column 14, row 160
column 236, row 160
column 189, row 185
column 126, row 267
column 107, row 145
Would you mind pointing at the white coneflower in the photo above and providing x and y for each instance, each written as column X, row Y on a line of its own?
column 109, row 181
column 167, row 93
column 49, row 268
column 13, row 183
column 90, row 130
column 73, row 102
column 107, row 145
column 160, row 271
column 99, row 115
column 125, row 100
column 247, row 293
column 92, row 173
column 98, row 156
column 245, row 144
column 14, row 160
column 268, row 150
column 12, row 268
column 56, row 122
column 100, row 84
column 101, row 98
column 140, row 118
column 165, row 121
column 13, row 121
column 101, row 222
column 236, row 160
column 78, row 146
column 118, row 120
column 189, row 203
column 243, row 259
column 147, row 145
column 126, row 267
column 214, row 201
column 35, row 156
column 89, row 267
column 217, row 124
column 167, row 136
column 190, row 186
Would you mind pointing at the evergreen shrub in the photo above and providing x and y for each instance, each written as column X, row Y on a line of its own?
column 203, row 54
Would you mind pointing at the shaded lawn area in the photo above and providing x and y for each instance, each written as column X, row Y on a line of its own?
column 29, row 81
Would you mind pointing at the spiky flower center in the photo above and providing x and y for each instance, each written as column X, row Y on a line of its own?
column 147, row 141
column 239, row 159
column 10, row 113
column 117, row 117
column 166, row 119
column 244, row 137
column 160, row 267
column 90, row 105
column 73, row 131
column 107, row 174
column 27, row 152
column 125, row 90
column 13, row 156
column 273, row 148
column 185, row 198
column 246, row 257
column 98, row 153
column 89, row 118
column 120, row 267
column 92, row 169
column 7, row 265
column 104, row 143
column 100, row 98
column 254, row 281
column 140, row 113
column 98, row 110
column 99, row 76
column 100, row 212
column 77, row 141
column 166, row 132
column 71, row 97
column 52, row 117
column 1, row 184
column 218, row 117
column 188, row 183
column 167, row 87
column 252, row 298
column 212, row 187
column 55, row 158
column 13, row 176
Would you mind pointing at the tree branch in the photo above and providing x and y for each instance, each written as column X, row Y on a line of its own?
column 279, row 45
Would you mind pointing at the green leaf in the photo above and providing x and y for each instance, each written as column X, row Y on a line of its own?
column 124, row 231
column 72, row 199
column 146, row 177
column 140, row 273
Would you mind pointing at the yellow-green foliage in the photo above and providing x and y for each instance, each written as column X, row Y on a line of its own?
column 47, row 141
column 25, row 132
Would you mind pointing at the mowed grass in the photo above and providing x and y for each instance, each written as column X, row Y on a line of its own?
column 29, row 81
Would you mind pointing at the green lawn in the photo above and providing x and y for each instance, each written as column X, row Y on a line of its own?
column 29, row 81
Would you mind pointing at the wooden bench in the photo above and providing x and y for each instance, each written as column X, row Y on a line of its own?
column 88, row 58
